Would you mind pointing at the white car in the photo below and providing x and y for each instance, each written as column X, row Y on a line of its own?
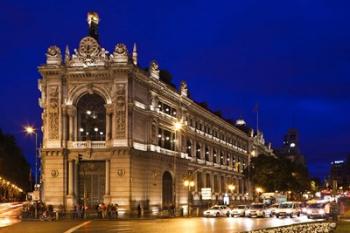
column 239, row 211
column 272, row 209
column 217, row 211
column 257, row 210
column 290, row 209
column 318, row 210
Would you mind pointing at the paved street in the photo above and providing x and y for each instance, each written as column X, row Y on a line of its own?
column 184, row 225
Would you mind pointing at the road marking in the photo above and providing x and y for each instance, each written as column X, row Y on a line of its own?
column 76, row 227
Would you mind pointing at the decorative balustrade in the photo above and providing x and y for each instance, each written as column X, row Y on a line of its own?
column 87, row 144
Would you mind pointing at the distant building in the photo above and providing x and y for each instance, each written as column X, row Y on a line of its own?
column 339, row 174
column 291, row 147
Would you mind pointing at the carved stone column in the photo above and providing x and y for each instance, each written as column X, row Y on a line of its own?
column 64, row 125
column 107, row 185
column 76, row 172
column 71, row 113
column 71, row 177
column 107, row 197
column 109, row 112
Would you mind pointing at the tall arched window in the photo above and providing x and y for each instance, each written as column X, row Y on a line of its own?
column 91, row 116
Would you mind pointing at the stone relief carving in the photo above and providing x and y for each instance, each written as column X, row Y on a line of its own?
column 120, row 111
column 120, row 54
column 54, row 173
column 120, row 171
column 53, row 55
column 154, row 101
column 53, row 111
column 154, row 136
column 89, row 53
column 154, row 69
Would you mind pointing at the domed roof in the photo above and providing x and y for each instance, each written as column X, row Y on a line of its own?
column 240, row 122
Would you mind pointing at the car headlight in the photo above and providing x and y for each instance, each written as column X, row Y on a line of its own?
column 321, row 212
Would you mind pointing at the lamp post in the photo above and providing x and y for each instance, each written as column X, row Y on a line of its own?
column 30, row 131
column 258, row 190
column 189, row 184
column 177, row 127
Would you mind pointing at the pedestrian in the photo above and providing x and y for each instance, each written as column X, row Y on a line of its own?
column 116, row 210
column 139, row 210
column 104, row 210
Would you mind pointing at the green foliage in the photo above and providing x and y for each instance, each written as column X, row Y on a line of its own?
column 278, row 174
column 13, row 165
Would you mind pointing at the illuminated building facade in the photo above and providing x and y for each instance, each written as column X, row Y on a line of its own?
column 113, row 132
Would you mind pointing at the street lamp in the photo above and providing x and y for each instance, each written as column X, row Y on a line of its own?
column 188, row 183
column 258, row 190
column 30, row 131
column 231, row 187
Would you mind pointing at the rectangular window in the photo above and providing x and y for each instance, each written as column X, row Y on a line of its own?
column 166, row 139
column 198, row 151
column 165, row 108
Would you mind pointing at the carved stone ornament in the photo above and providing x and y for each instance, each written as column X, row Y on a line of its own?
column 154, row 69
column 89, row 53
column 53, row 55
column 53, row 112
column 121, row 172
column 54, row 173
column 183, row 88
column 120, row 54
column 120, row 111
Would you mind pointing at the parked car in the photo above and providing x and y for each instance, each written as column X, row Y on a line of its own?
column 304, row 208
column 257, row 210
column 290, row 209
column 217, row 211
column 272, row 209
column 239, row 211
column 318, row 210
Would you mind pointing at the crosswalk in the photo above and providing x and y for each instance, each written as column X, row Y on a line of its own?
column 110, row 226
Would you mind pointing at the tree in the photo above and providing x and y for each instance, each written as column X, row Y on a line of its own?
column 278, row 174
column 13, row 165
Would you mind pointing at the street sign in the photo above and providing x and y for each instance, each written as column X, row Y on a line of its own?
column 206, row 193
column 36, row 195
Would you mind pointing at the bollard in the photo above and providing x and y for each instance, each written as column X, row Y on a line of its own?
column 57, row 215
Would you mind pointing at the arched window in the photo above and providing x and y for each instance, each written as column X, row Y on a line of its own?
column 91, row 117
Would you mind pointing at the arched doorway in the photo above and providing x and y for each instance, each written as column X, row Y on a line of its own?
column 167, row 190
column 91, row 114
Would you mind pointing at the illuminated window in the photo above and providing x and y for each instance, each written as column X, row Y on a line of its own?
column 91, row 116
column 189, row 147
column 206, row 153
column 198, row 151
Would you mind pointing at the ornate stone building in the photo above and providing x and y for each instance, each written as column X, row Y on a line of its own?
column 113, row 132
